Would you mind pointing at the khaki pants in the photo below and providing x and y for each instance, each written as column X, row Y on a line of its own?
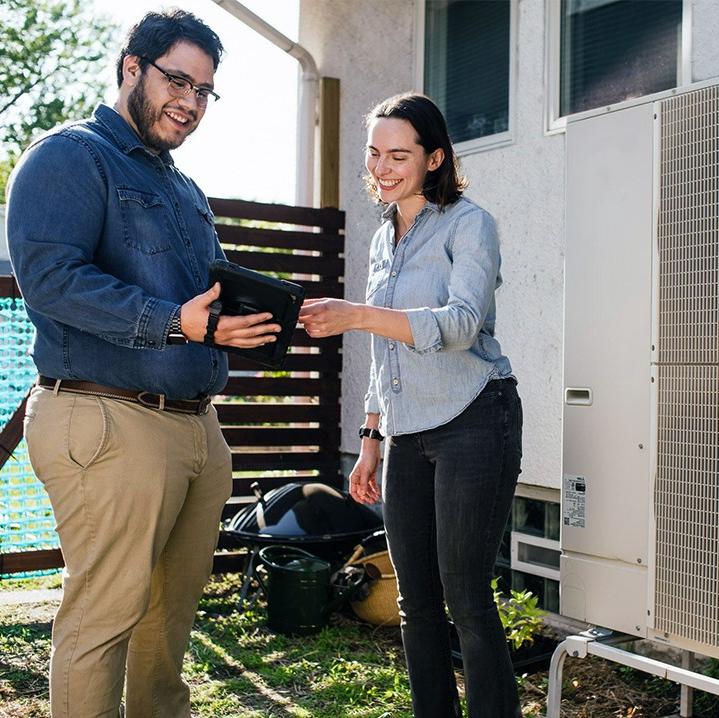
column 137, row 496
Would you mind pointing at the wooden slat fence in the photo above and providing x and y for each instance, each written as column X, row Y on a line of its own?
column 281, row 426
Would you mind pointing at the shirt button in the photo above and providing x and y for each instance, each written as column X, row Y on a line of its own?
column 394, row 274
column 391, row 345
column 395, row 382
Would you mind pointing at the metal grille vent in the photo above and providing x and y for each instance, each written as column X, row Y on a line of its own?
column 687, row 503
column 687, row 482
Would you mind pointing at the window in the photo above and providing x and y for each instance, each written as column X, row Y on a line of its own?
column 467, row 68
column 615, row 50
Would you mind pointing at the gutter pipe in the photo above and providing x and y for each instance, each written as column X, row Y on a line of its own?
column 308, row 92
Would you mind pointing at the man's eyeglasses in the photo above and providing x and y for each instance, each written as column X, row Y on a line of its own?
column 180, row 87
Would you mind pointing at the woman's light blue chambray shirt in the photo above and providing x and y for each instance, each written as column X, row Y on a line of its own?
column 106, row 240
column 444, row 273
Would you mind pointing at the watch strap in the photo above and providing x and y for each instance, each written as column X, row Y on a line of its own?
column 366, row 433
column 212, row 318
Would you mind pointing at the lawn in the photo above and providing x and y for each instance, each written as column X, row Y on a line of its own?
column 237, row 668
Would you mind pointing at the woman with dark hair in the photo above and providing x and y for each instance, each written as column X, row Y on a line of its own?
column 443, row 393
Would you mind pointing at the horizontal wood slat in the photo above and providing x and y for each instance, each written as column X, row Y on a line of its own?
column 306, row 216
column 324, row 362
column 323, row 461
column 21, row 561
column 252, row 413
column 233, row 234
column 255, row 386
column 289, row 263
column 267, row 436
column 9, row 287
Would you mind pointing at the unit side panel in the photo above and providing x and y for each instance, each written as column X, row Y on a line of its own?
column 608, row 335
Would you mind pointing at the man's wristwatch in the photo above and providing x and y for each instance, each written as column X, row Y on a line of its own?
column 175, row 335
column 366, row 433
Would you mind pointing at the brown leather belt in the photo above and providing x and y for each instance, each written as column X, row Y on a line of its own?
column 144, row 398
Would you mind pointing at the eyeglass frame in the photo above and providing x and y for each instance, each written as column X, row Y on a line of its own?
column 192, row 86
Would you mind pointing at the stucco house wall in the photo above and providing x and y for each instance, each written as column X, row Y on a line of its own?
column 371, row 47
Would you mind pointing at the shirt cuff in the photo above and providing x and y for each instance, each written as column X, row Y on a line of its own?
column 371, row 403
column 154, row 324
column 425, row 331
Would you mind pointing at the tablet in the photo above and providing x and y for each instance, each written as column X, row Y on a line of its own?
column 244, row 291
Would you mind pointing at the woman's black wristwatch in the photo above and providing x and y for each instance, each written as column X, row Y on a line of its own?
column 366, row 433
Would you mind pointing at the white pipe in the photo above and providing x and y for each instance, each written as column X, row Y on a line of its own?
column 308, row 92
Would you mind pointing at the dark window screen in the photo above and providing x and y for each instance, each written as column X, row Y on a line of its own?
column 613, row 50
column 466, row 64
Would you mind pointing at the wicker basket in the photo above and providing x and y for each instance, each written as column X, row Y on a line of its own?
column 380, row 607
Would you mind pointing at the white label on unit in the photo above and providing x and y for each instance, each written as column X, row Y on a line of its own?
column 574, row 501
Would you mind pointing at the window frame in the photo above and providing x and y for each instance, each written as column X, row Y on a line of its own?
column 556, row 124
column 488, row 142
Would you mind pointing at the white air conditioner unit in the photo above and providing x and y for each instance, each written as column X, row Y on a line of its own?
column 640, row 498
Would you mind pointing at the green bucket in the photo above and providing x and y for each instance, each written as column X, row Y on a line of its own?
column 297, row 590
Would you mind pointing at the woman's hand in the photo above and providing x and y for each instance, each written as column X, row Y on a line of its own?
column 327, row 317
column 363, row 479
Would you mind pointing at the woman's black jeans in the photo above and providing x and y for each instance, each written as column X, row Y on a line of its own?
column 447, row 495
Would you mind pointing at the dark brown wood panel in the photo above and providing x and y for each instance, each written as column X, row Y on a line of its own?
column 325, row 362
column 233, row 234
column 328, row 218
column 300, row 338
column 256, row 386
column 273, row 437
column 9, row 287
column 240, row 419
column 31, row 561
column 253, row 413
column 323, row 461
column 289, row 263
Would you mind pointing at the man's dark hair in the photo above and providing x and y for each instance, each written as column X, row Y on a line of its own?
column 158, row 32
column 444, row 185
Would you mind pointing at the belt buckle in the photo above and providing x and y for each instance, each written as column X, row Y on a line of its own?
column 161, row 400
column 204, row 405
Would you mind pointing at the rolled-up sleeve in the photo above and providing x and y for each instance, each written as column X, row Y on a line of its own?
column 371, row 399
column 56, row 212
column 474, row 249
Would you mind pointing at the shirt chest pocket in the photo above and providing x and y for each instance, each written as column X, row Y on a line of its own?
column 205, row 229
column 146, row 222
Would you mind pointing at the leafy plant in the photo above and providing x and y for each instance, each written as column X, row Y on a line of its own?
column 521, row 619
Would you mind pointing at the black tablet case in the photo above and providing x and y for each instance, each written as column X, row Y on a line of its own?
column 244, row 291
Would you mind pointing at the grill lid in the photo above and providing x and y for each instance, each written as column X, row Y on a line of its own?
column 307, row 512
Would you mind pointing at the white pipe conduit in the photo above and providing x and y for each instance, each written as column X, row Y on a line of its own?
column 308, row 92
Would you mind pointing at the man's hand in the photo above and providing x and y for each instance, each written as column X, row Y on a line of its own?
column 245, row 332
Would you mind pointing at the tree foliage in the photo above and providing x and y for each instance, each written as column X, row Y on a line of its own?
column 51, row 56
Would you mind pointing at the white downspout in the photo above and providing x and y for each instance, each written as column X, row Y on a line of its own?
column 306, row 101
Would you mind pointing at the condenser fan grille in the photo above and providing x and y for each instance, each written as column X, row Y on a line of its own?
column 687, row 491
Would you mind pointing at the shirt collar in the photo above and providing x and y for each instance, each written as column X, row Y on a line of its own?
column 391, row 209
column 123, row 134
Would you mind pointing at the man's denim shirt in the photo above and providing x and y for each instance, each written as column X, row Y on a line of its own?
column 444, row 273
column 106, row 240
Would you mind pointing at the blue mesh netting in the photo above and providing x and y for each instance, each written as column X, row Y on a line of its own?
column 26, row 520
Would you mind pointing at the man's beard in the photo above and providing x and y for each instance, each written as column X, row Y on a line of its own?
column 144, row 116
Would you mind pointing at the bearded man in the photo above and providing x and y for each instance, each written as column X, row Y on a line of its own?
column 111, row 244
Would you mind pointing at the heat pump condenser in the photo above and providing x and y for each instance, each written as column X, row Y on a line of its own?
column 640, row 494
